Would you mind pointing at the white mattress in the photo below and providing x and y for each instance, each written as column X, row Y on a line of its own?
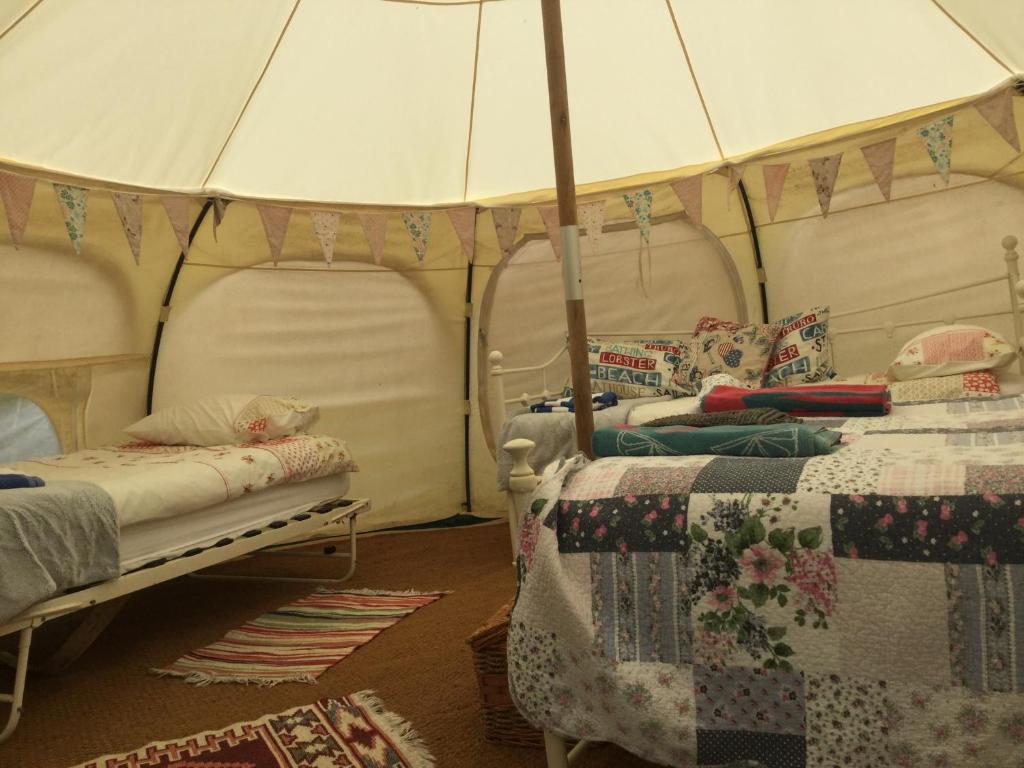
column 650, row 411
column 155, row 538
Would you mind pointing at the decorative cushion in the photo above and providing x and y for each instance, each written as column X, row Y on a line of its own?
column 951, row 349
column 742, row 353
column 712, row 323
column 803, row 354
column 636, row 368
column 959, row 385
column 225, row 420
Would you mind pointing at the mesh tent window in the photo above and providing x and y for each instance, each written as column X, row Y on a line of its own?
column 26, row 432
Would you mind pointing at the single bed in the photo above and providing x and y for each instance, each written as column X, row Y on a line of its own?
column 180, row 509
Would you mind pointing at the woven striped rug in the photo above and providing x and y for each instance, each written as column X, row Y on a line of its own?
column 299, row 641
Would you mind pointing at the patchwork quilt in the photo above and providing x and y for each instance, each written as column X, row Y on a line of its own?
column 863, row 609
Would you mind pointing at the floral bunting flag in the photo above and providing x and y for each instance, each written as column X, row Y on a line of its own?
column 129, row 210
column 220, row 207
column 825, row 170
column 375, row 226
column 549, row 213
column 325, row 226
column 506, row 224
column 464, row 223
column 177, row 210
column 640, row 204
column 275, row 224
column 591, row 216
column 73, row 206
column 417, row 224
column 17, row 192
column 938, row 140
column 774, row 182
column 690, row 194
column 880, row 158
column 997, row 110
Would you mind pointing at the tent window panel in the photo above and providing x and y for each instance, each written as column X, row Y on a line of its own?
column 26, row 432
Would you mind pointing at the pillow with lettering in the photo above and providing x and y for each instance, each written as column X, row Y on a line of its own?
column 636, row 368
column 803, row 353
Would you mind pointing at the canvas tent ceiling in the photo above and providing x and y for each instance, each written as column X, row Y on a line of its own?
column 427, row 102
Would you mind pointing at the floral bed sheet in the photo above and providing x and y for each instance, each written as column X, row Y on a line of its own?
column 864, row 608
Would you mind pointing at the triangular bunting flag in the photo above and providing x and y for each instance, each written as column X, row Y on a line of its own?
column 880, row 158
column 72, row 205
column 640, row 203
column 464, row 223
column 506, row 224
column 549, row 213
column 325, row 225
column 690, row 194
column 275, row 224
column 417, row 224
column 825, row 170
column 375, row 226
column 735, row 176
column 177, row 209
column 129, row 210
column 938, row 140
column 591, row 216
column 220, row 207
column 997, row 109
column 17, row 194
column 774, row 182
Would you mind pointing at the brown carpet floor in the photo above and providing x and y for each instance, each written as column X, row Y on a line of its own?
column 422, row 668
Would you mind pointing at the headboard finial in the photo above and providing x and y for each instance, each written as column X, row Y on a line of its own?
column 495, row 358
column 1009, row 243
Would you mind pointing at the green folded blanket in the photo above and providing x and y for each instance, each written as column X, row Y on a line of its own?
column 762, row 441
column 724, row 418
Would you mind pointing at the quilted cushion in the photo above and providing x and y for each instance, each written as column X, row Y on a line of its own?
column 951, row 349
column 635, row 368
column 803, row 354
column 973, row 384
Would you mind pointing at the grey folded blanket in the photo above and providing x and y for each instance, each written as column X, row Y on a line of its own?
column 748, row 417
column 54, row 538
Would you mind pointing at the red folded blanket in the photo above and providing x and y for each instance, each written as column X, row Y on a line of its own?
column 811, row 400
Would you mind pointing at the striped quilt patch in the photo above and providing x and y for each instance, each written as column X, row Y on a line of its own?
column 299, row 641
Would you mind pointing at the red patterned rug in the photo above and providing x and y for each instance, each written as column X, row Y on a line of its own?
column 353, row 732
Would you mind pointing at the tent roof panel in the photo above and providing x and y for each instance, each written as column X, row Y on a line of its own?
column 131, row 93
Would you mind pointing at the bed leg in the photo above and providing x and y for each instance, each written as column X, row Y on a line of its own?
column 521, row 482
column 556, row 751
column 17, row 697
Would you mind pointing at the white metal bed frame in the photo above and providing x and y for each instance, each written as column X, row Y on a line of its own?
column 523, row 480
column 300, row 529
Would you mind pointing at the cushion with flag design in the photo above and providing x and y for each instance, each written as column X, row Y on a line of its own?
column 741, row 352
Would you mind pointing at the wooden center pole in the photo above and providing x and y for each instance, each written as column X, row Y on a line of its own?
column 565, row 183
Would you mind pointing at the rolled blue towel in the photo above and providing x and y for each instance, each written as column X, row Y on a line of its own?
column 565, row 404
column 20, row 481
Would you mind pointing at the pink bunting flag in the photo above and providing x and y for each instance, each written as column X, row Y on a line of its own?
column 591, row 217
column 506, row 224
column 177, row 210
column 880, row 158
column 464, row 223
column 774, row 183
column 220, row 207
column 375, row 226
column 72, row 201
column 825, row 171
column 549, row 213
column 275, row 224
column 129, row 210
column 997, row 110
column 690, row 193
column 17, row 192
column 325, row 226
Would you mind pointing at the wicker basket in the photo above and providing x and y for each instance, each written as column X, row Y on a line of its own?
column 502, row 722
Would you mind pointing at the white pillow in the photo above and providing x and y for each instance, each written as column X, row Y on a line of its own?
column 226, row 419
column 951, row 349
